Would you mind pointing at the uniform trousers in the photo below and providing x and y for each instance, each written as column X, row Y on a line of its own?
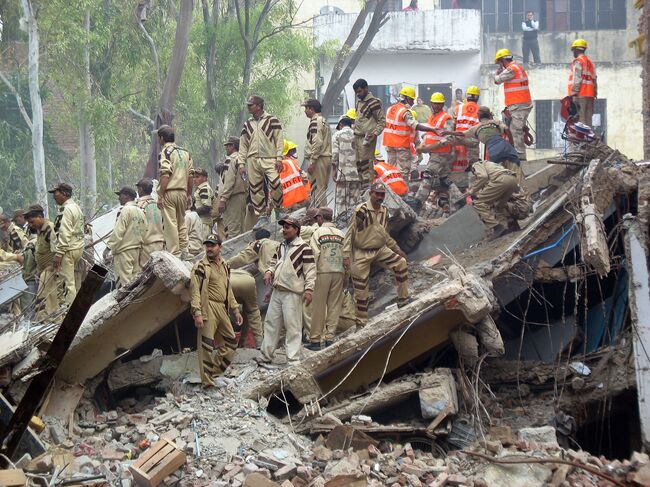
column 258, row 170
column 216, row 343
column 234, row 214
column 148, row 249
column 401, row 158
column 319, row 180
column 348, row 195
column 585, row 106
column 519, row 113
column 491, row 201
column 67, row 282
column 283, row 314
column 436, row 175
column 47, row 296
column 245, row 291
column 365, row 158
column 126, row 265
column 174, row 229
column 326, row 306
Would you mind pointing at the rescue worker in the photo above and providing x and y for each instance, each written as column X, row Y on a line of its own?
column 245, row 291
column 69, row 229
column 583, row 87
column 368, row 242
column 344, row 167
column 212, row 301
column 292, row 272
column 467, row 117
column 174, row 189
column 259, row 252
column 327, row 245
column 294, row 191
column 389, row 175
column 491, row 190
column 154, row 238
column 19, row 219
column 125, row 243
column 260, row 157
column 318, row 151
column 203, row 199
column 368, row 125
column 517, row 96
column 47, row 295
column 399, row 133
column 441, row 157
column 17, row 238
column 231, row 199
column 308, row 225
column 194, row 228
column 9, row 258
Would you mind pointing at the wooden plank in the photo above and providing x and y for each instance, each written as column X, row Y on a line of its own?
column 158, row 462
column 12, row 478
column 161, row 453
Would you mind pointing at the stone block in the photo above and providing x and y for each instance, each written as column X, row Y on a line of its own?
column 258, row 480
column 543, row 434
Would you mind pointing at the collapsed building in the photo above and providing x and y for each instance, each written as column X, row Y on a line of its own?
column 531, row 345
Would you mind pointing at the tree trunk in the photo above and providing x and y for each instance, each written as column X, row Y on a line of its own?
column 246, row 81
column 87, row 140
column 37, row 105
column 172, row 82
column 210, row 19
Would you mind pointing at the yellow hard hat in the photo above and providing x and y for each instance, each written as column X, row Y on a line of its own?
column 351, row 113
column 288, row 145
column 579, row 44
column 473, row 90
column 408, row 91
column 501, row 53
column 437, row 97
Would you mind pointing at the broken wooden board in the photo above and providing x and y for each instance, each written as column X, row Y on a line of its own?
column 12, row 478
column 158, row 462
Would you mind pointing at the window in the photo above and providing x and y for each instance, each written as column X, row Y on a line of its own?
column 549, row 125
column 507, row 15
column 585, row 15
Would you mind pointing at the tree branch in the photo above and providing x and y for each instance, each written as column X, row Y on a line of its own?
column 19, row 100
column 154, row 55
column 282, row 28
column 142, row 116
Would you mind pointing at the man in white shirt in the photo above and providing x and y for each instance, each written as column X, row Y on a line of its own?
column 530, row 26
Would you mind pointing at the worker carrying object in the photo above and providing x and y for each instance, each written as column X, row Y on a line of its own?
column 583, row 87
column 389, row 175
column 294, row 190
column 517, row 96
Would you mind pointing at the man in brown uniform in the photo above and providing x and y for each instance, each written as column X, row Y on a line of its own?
column 368, row 242
column 245, row 290
column 154, row 239
column 212, row 300
column 369, row 124
column 318, row 151
column 260, row 252
column 203, row 199
column 231, row 199
column 176, row 169
column 261, row 147
column 17, row 238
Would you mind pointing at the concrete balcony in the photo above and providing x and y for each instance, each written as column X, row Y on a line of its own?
column 430, row 31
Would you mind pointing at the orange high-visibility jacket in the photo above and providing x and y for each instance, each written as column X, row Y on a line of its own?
column 437, row 121
column 391, row 176
column 397, row 133
column 467, row 116
column 293, row 189
column 587, row 79
column 516, row 89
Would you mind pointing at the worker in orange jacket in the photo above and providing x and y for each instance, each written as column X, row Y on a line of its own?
column 389, row 175
column 583, row 87
column 294, row 190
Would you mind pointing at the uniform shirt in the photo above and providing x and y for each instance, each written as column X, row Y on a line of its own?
column 175, row 162
column 293, row 267
column 153, row 218
column 344, row 156
column 319, row 139
column 231, row 181
column 193, row 224
column 45, row 248
column 368, row 230
column 327, row 244
column 261, row 138
column 210, row 284
column 486, row 171
column 485, row 130
column 29, row 263
column 306, row 231
column 260, row 251
column 203, row 199
column 371, row 119
column 69, row 228
column 17, row 238
column 7, row 257
column 130, row 229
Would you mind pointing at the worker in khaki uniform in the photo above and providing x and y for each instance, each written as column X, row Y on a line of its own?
column 308, row 225
column 259, row 252
column 125, row 243
column 583, row 86
column 517, row 96
column 203, row 200
column 176, row 169
column 69, row 229
column 245, row 291
column 344, row 167
column 327, row 244
column 261, row 144
column 230, row 203
column 292, row 273
column 47, row 295
column 17, row 238
column 212, row 301
column 367, row 242
column 194, row 227
column 154, row 238
column 318, row 151
column 491, row 190
column 368, row 125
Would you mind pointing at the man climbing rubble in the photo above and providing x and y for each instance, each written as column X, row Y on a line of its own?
column 212, row 300
column 368, row 242
column 259, row 252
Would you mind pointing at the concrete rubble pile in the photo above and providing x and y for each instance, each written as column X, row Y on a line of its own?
column 420, row 396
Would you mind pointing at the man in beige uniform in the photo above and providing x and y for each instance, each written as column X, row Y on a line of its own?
column 231, row 199
column 318, row 151
column 203, row 199
column 368, row 125
column 308, row 226
column 261, row 147
column 17, row 238
column 327, row 244
column 47, row 295
column 194, row 227
column 260, row 252
column 125, row 243
column 176, row 169
column 367, row 242
column 69, row 229
column 293, row 274
column 245, row 291
column 154, row 239
column 212, row 300
column 344, row 168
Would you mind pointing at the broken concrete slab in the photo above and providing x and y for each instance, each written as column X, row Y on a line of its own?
column 520, row 475
column 343, row 437
column 438, row 394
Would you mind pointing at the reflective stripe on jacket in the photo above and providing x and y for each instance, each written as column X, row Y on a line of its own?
column 293, row 189
column 437, row 121
column 587, row 77
column 397, row 133
column 391, row 176
column 516, row 89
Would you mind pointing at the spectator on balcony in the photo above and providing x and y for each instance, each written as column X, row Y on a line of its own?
column 530, row 26
column 412, row 7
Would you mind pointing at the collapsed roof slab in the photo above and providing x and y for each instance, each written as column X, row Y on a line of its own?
column 125, row 318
